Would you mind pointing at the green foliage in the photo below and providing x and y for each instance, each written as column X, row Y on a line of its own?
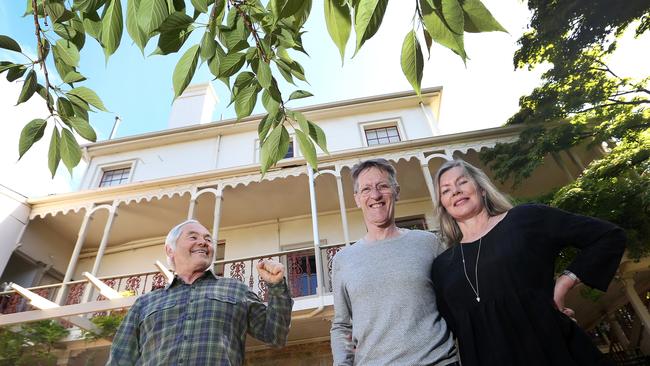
column 31, row 344
column 582, row 102
column 239, row 36
column 107, row 324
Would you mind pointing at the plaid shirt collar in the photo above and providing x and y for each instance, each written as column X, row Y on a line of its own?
column 177, row 280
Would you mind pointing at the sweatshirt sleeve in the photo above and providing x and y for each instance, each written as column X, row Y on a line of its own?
column 341, row 332
column 601, row 244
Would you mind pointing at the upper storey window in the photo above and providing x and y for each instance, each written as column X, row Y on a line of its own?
column 382, row 132
column 382, row 135
column 115, row 177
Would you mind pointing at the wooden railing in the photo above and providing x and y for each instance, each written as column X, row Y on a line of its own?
column 300, row 265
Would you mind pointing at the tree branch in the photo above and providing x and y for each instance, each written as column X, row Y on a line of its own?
column 249, row 25
column 41, row 54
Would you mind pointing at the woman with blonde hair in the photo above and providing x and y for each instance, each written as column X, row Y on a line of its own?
column 495, row 283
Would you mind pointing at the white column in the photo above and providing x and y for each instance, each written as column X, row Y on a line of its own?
column 218, row 198
column 190, row 211
column 316, row 235
column 112, row 212
column 427, row 177
column 81, row 237
column 639, row 308
column 344, row 215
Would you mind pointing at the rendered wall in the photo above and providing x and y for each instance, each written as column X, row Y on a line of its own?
column 14, row 215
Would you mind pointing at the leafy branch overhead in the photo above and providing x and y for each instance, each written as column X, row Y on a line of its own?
column 246, row 44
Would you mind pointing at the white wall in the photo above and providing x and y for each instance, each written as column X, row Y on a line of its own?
column 238, row 149
column 159, row 162
column 14, row 215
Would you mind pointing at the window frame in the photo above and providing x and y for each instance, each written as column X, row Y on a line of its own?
column 393, row 122
column 102, row 169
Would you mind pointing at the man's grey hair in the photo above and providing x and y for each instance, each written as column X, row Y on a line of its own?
column 381, row 164
column 175, row 233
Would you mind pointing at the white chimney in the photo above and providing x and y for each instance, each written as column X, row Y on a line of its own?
column 194, row 106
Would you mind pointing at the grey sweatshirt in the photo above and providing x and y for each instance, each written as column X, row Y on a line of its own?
column 384, row 304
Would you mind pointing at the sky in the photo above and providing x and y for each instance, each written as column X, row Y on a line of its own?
column 481, row 94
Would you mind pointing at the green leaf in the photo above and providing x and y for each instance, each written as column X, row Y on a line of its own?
column 88, row 96
column 208, row 46
column 428, row 40
column 172, row 41
column 479, row 19
column 200, row 5
column 298, row 94
column 73, row 77
column 88, row 6
column 367, row 19
column 83, row 128
column 175, row 21
column 265, row 125
column 40, row 89
column 307, row 148
column 29, row 87
column 64, row 107
column 412, row 61
column 184, row 70
column 274, row 148
column 112, row 27
column 32, row 132
column 70, row 150
column 453, row 14
column 269, row 103
column 55, row 10
column 245, row 101
column 318, row 135
column 339, row 23
column 290, row 8
column 15, row 73
column 151, row 14
column 300, row 16
column 301, row 119
column 8, row 43
column 53, row 154
column 264, row 76
column 132, row 27
column 93, row 25
column 440, row 32
column 231, row 63
column 67, row 52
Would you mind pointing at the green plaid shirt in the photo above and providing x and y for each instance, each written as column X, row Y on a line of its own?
column 204, row 323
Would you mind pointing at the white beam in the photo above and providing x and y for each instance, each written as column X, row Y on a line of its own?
column 106, row 291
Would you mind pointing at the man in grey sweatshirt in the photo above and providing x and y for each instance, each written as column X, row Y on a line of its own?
column 385, row 309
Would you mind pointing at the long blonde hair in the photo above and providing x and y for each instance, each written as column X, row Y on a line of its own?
column 495, row 202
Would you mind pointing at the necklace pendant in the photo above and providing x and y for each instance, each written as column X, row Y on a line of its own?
column 478, row 299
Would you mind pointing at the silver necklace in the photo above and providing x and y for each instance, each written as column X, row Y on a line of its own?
column 478, row 254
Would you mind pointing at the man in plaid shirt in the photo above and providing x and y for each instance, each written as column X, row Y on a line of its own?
column 201, row 319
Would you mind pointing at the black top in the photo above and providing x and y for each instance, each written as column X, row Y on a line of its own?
column 516, row 322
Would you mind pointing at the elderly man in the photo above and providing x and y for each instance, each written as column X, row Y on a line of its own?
column 384, row 306
column 201, row 319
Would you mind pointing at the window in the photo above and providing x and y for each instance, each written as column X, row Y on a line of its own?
column 382, row 135
column 290, row 153
column 115, row 177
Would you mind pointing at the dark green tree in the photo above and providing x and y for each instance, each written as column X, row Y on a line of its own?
column 582, row 101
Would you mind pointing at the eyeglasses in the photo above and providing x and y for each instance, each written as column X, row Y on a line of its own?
column 382, row 188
